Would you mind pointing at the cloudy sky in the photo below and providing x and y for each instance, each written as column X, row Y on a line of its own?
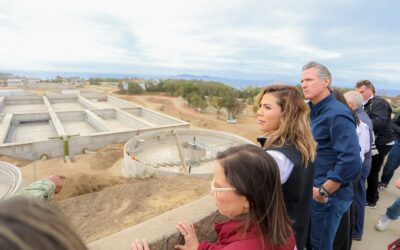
column 226, row 38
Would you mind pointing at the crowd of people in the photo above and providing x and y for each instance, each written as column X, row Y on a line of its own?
column 306, row 187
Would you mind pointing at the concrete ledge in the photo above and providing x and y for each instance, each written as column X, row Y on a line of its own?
column 54, row 118
column 2, row 104
column 5, row 126
column 96, row 121
column 160, row 231
column 129, row 118
column 86, row 103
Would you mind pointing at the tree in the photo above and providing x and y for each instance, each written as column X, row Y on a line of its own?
column 134, row 88
column 231, row 104
column 198, row 102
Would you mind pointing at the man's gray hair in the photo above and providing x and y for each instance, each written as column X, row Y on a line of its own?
column 322, row 71
column 355, row 98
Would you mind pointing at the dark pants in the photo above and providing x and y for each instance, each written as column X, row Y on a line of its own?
column 373, row 178
column 392, row 163
column 360, row 198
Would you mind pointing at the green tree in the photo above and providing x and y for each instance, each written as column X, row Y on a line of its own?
column 134, row 88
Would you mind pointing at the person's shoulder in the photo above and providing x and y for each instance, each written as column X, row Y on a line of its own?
column 337, row 108
column 379, row 99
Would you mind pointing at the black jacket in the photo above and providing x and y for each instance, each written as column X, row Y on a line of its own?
column 379, row 110
column 395, row 125
column 297, row 193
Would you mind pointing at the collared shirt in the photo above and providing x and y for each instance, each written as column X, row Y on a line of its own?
column 338, row 150
column 369, row 98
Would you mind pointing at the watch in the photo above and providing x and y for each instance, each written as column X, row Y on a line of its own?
column 322, row 191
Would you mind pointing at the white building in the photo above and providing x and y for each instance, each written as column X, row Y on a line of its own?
column 15, row 82
column 32, row 80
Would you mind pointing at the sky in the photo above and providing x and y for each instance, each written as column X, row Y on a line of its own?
column 225, row 38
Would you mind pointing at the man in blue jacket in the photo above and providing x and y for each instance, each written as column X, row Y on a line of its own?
column 338, row 161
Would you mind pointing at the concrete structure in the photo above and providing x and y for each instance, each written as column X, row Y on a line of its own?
column 15, row 82
column 70, row 120
column 181, row 151
column 10, row 180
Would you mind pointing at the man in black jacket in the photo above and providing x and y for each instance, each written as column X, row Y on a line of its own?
column 393, row 160
column 379, row 110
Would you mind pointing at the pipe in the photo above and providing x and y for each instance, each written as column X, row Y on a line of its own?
column 65, row 139
column 44, row 157
column 182, row 169
column 87, row 151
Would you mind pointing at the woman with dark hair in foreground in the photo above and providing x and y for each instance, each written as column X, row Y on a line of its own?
column 247, row 190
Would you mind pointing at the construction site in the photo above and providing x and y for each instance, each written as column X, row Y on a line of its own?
column 134, row 165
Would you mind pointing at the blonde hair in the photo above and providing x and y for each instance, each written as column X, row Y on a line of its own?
column 294, row 124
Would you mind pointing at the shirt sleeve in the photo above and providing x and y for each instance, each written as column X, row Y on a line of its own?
column 363, row 139
column 42, row 189
column 285, row 165
column 206, row 246
column 347, row 150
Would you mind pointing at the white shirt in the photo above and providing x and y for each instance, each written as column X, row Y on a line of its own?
column 285, row 165
column 363, row 139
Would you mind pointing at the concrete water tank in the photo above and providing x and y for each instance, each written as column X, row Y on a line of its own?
column 10, row 180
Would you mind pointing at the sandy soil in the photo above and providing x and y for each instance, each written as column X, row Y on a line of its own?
column 100, row 201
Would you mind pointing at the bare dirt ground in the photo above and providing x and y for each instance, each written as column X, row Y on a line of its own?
column 100, row 202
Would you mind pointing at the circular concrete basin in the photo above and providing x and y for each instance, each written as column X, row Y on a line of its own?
column 10, row 180
column 176, row 152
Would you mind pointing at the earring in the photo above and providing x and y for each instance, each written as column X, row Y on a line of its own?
column 246, row 206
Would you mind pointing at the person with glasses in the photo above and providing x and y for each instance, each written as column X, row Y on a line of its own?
column 247, row 191
column 282, row 117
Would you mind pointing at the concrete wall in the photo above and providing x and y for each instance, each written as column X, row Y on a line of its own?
column 120, row 103
column 70, row 116
column 54, row 148
column 105, row 113
column 2, row 103
column 19, row 100
column 161, row 232
column 96, row 122
column 134, row 111
column 62, row 99
column 158, row 118
column 5, row 127
column 86, row 103
column 33, row 150
column 152, row 116
column 133, row 121
column 31, row 117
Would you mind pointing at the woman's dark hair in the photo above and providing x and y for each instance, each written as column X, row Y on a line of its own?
column 255, row 175
column 340, row 97
column 30, row 224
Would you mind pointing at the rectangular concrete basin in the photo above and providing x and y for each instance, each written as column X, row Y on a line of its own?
column 77, row 122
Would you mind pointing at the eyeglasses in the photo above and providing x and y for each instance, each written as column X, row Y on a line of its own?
column 215, row 190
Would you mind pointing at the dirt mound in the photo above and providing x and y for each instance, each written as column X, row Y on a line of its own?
column 96, row 215
column 106, row 157
column 80, row 184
